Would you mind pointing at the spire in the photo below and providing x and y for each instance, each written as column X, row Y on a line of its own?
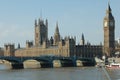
column 82, row 42
column 82, row 36
column 39, row 21
column 56, row 35
column 51, row 40
column 109, row 12
column 57, row 29
column 18, row 45
column 35, row 22
column 46, row 23
column 109, row 8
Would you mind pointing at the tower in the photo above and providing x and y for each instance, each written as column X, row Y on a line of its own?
column 9, row 49
column 56, row 35
column 41, row 32
column 82, row 41
column 109, row 32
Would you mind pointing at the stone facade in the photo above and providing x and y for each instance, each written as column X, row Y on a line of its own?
column 56, row 46
column 41, row 32
column 60, row 50
column 9, row 50
column 109, row 33
column 67, row 47
column 56, row 35
column 88, row 51
column 1, row 52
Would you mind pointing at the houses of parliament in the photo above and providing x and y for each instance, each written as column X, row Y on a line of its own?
column 66, row 46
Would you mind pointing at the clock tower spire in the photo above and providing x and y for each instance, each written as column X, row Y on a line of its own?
column 109, row 32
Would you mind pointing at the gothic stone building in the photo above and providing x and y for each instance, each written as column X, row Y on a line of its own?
column 109, row 33
column 54, row 46
column 64, row 47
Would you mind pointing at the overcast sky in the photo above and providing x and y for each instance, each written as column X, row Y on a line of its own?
column 74, row 18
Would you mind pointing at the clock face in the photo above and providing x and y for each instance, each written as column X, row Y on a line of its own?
column 111, row 24
column 106, row 24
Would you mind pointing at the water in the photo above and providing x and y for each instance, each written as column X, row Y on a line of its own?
column 88, row 73
column 114, row 74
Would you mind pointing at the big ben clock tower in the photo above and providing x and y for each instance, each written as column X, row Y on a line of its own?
column 109, row 33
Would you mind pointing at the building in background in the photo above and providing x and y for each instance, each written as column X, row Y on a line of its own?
column 57, row 46
column 109, row 33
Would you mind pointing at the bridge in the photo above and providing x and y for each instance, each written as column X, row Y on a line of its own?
column 13, row 62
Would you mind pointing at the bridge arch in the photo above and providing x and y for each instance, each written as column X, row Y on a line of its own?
column 85, row 62
column 56, row 63
column 63, row 62
column 31, row 63
column 79, row 63
column 36, row 63
column 8, row 64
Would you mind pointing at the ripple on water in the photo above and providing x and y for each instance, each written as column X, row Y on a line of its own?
column 114, row 74
column 3, row 67
column 89, row 73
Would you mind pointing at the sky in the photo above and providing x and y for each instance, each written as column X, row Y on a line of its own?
column 74, row 17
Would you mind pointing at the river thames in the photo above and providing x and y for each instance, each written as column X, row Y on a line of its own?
column 75, row 73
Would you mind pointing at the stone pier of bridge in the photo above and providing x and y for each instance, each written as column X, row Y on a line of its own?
column 45, row 62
